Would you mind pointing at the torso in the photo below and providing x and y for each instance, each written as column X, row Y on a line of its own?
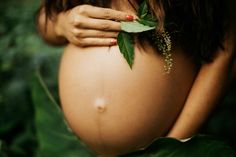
column 115, row 109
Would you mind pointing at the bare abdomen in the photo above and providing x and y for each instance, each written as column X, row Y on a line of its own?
column 114, row 109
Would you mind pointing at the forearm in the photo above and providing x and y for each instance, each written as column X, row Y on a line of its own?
column 47, row 29
column 206, row 91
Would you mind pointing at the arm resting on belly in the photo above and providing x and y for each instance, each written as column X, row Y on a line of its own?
column 208, row 88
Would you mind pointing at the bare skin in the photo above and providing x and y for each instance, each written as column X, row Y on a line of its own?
column 93, row 81
column 208, row 88
column 115, row 109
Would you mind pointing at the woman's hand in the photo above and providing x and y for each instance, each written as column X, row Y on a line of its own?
column 87, row 25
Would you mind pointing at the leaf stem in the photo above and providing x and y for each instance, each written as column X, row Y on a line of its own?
column 45, row 88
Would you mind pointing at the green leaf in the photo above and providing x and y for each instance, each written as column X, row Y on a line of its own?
column 126, row 40
column 54, row 136
column 143, row 9
column 135, row 27
column 149, row 23
column 198, row 146
column 126, row 46
column 146, row 17
column 146, row 22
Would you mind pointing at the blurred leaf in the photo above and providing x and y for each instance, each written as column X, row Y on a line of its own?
column 198, row 146
column 2, row 150
column 24, row 143
column 21, row 52
column 54, row 137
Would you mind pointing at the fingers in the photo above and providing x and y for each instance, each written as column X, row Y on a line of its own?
column 110, row 14
column 86, row 33
column 99, row 24
column 105, row 13
column 87, row 25
column 83, row 42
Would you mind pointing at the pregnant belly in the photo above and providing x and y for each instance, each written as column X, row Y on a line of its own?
column 114, row 109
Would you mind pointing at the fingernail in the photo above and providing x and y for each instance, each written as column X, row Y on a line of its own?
column 130, row 17
column 113, row 41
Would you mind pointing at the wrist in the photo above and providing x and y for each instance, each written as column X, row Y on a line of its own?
column 58, row 27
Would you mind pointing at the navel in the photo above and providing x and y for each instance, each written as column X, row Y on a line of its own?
column 100, row 105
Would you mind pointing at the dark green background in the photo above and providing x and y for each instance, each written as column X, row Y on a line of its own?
column 22, row 53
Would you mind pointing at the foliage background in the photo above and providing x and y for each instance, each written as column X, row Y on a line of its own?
column 22, row 53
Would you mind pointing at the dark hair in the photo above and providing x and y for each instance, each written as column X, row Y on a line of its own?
column 201, row 25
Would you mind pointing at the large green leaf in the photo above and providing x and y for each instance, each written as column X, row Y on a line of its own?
column 126, row 46
column 198, row 146
column 54, row 136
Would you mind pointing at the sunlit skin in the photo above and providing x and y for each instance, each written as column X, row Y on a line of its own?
column 114, row 109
